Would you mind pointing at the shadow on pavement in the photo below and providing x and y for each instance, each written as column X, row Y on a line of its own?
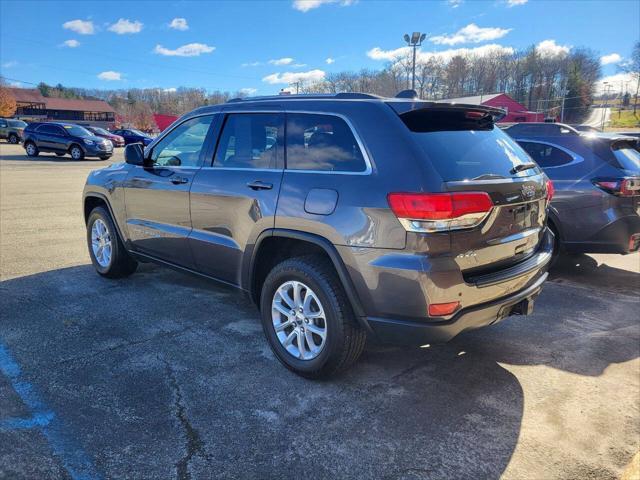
column 584, row 270
column 163, row 372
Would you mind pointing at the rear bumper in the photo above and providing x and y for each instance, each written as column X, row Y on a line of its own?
column 613, row 238
column 414, row 332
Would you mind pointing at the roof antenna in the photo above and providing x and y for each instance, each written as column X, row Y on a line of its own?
column 407, row 94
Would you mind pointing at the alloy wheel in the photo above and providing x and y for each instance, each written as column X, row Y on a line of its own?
column 299, row 320
column 101, row 243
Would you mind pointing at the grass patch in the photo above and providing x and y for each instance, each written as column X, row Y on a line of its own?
column 624, row 119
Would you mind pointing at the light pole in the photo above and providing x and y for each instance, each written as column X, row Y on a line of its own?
column 604, row 108
column 414, row 41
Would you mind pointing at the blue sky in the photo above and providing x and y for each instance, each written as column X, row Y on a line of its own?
column 261, row 46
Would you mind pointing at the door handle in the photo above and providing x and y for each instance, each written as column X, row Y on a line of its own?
column 259, row 185
column 179, row 180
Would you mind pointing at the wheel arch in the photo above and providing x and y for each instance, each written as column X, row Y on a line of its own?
column 252, row 277
column 94, row 199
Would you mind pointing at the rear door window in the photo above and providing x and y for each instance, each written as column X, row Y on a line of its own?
column 322, row 143
column 546, row 155
column 460, row 148
column 250, row 141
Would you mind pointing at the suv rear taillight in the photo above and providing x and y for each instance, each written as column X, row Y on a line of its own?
column 623, row 187
column 437, row 212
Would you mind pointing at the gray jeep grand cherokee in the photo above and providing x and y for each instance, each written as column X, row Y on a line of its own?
column 341, row 216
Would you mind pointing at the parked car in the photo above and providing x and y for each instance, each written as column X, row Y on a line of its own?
column 407, row 220
column 540, row 129
column 131, row 135
column 11, row 130
column 65, row 138
column 117, row 140
column 596, row 206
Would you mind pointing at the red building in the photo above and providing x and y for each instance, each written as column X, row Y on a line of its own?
column 516, row 112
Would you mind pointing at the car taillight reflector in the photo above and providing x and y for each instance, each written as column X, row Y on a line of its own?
column 550, row 190
column 438, row 206
column 442, row 309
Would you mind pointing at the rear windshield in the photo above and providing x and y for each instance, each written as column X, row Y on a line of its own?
column 466, row 149
column 627, row 155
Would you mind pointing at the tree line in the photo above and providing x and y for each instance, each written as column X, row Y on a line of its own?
column 535, row 78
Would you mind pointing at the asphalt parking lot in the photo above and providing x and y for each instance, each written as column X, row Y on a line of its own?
column 163, row 375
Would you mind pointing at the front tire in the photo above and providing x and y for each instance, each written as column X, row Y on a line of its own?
column 108, row 255
column 31, row 149
column 76, row 152
column 13, row 139
column 307, row 318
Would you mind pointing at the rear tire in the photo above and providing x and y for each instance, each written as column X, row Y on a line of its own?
column 76, row 152
column 318, row 356
column 13, row 139
column 31, row 149
column 108, row 255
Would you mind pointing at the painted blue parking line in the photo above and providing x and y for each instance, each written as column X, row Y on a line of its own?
column 77, row 463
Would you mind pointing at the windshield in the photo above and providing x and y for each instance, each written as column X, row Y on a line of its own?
column 462, row 150
column 627, row 156
column 77, row 131
column 137, row 132
column 17, row 123
column 101, row 131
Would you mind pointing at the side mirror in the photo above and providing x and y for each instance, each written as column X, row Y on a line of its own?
column 134, row 154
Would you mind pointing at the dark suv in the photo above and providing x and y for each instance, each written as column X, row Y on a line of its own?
column 63, row 138
column 340, row 215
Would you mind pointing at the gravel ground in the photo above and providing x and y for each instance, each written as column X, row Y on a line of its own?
column 163, row 375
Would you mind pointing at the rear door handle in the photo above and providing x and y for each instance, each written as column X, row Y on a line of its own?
column 259, row 185
column 179, row 180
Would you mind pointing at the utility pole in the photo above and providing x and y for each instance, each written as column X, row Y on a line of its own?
column 604, row 107
column 414, row 41
column 564, row 95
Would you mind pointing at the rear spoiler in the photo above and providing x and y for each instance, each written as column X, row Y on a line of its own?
column 402, row 106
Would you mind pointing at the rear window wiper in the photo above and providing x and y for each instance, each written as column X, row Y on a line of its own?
column 522, row 167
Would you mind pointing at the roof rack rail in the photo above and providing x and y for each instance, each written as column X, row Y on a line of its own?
column 308, row 96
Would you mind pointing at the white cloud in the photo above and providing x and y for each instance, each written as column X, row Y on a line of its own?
column 83, row 27
column 292, row 77
column 125, row 26
column 110, row 76
column 471, row 34
column 10, row 64
column 514, row 3
column 377, row 53
column 189, row 50
column 179, row 24
column 248, row 91
column 330, row 60
column 281, row 61
column 445, row 55
column 71, row 43
column 549, row 48
column 170, row 90
column 251, row 64
column 306, row 5
column 611, row 58
column 620, row 82
column 454, row 3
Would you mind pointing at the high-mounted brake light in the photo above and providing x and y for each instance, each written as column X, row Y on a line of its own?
column 473, row 114
column 550, row 190
column 623, row 187
column 433, row 212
